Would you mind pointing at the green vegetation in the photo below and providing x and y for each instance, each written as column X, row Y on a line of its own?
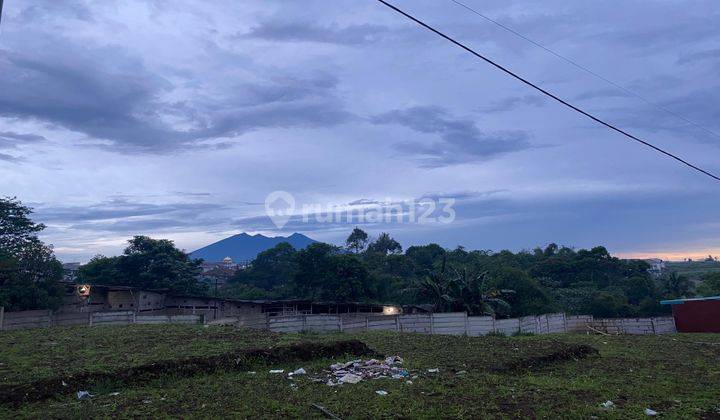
column 676, row 375
column 147, row 263
column 29, row 272
column 503, row 283
column 694, row 270
column 709, row 285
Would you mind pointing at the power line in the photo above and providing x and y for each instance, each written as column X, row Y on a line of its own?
column 545, row 92
column 587, row 70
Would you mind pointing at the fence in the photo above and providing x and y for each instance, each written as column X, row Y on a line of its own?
column 453, row 323
column 459, row 323
column 44, row 318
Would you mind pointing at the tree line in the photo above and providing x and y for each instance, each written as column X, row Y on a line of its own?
column 504, row 283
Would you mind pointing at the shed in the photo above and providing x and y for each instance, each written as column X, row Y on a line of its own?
column 698, row 315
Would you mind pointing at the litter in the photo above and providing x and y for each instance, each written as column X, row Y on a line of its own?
column 350, row 378
column 300, row 371
column 275, row 371
column 607, row 405
column 114, row 394
column 63, row 383
column 358, row 370
column 381, row 392
column 81, row 395
column 433, row 370
column 650, row 412
column 462, row 372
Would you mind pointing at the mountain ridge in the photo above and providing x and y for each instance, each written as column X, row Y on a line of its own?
column 244, row 247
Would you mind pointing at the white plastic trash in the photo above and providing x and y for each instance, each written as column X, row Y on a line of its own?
column 300, row 371
column 381, row 392
column 275, row 371
column 650, row 412
column 350, row 378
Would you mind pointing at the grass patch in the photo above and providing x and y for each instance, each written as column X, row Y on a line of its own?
column 677, row 375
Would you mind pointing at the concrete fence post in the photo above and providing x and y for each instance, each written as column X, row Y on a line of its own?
column 2, row 317
column 397, row 323
column 432, row 323
column 90, row 319
column 367, row 322
column 466, row 323
column 50, row 318
column 340, row 323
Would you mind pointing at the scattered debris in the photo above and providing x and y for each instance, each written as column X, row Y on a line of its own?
column 381, row 392
column 351, row 378
column 81, row 395
column 276, row 371
column 325, row 411
column 114, row 394
column 607, row 405
column 462, row 372
column 650, row 412
column 64, row 383
column 433, row 370
column 300, row 371
column 358, row 370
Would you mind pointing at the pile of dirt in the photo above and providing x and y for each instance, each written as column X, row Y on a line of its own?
column 241, row 360
column 570, row 352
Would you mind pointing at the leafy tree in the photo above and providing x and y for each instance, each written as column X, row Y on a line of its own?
column 710, row 285
column 384, row 244
column 676, row 285
column 29, row 271
column 271, row 268
column 357, row 240
column 313, row 266
column 149, row 264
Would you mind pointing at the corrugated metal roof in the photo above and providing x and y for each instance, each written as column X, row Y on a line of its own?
column 680, row 301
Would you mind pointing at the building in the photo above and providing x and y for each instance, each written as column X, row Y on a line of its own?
column 70, row 272
column 98, row 298
column 657, row 266
column 698, row 315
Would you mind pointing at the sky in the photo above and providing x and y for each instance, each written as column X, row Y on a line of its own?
column 176, row 119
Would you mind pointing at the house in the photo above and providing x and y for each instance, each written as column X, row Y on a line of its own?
column 97, row 298
column 657, row 266
column 700, row 315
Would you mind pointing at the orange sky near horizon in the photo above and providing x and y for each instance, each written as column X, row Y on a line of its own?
column 694, row 254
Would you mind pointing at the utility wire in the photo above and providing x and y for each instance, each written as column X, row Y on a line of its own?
column 587, row 70
column 545, row 92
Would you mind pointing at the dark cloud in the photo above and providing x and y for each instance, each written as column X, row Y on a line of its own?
column 11, row 139
column 462, row 141
column 699, row 56
column 120, row 209
column 110, row 95
column 514, row 102
column 11, row 159
column 312, row 32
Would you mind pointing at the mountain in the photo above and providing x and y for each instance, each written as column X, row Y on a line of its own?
column 244, row 247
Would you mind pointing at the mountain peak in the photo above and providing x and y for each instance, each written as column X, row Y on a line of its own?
column 244, row 247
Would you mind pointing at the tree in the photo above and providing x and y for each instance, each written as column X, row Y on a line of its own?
column 271, row 268
column 357, row 240
column 148, row 264
column 29, row 271
column 313, row 266
column 676, row 285
column 710, row 285
column 384, row 244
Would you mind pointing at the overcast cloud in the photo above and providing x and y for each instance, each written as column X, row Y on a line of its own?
column 176, row 118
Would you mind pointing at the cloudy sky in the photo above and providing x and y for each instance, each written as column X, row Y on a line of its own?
column 176, row 118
